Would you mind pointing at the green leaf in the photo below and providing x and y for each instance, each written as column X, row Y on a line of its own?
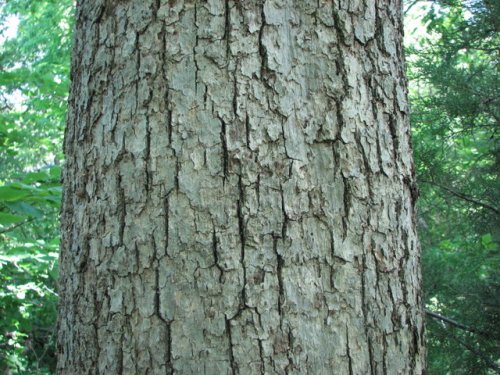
column 9, row 219
column 11, row 194
column 487, row 242
column 25, row 208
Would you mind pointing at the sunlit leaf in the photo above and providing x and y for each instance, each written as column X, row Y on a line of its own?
column 12, row 194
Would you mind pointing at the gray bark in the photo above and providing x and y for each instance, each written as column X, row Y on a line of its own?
column 239, row 191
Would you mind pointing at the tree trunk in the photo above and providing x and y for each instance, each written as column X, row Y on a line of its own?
column 239, row 191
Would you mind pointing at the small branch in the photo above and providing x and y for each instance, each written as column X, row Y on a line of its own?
column 409, row 7
column 14, row 226
column 463, row 196
column 47, row 346
column 460, row 325
column 488, row 362
column 413, row 3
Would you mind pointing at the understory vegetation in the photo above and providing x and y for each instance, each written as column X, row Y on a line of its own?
column 452, row 64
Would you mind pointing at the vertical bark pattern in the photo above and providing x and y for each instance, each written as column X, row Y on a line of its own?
column 239, row 193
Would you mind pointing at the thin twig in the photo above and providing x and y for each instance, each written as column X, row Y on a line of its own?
column 463, row 196
column 460, row 325
column 489, row 363
column 12, row 227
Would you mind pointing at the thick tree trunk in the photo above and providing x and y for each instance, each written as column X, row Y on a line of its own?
column 239, row 194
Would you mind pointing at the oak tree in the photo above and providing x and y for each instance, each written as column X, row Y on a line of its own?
column 239, row 191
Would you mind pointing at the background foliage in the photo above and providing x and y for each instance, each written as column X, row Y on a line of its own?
column 453, row 70
column 34, row 71
column 454, row 91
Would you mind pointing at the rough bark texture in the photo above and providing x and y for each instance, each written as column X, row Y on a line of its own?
column 239, row 194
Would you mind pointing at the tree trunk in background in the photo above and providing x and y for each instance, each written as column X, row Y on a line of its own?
column 239, row 193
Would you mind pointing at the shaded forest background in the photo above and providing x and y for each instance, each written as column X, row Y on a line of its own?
column 452, row 64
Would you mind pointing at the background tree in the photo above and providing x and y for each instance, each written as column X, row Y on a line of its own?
column 453, row 73
column 239, row 191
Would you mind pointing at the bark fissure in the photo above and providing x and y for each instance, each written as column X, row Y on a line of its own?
column 365, row 308
column 177, row 171
column 395, row 141
column 166, row 221
column 169, row 368
column 122, row 210
column 196, row 66
column 233, row 363
column 347, row 206
column 169, row 126
column 224, row 153
column 384, row 354
column 257, row 190
column 279, row 274
column 147, row 159
column 372, row 359
column 264, row 69
column 227, row 28
column 205, row 98
column 247, row 130
column 285, row 216
column 348, row 351
column 290, row 366
column 157, row 296
column 241, row 230
column 215, row 253
column 235, row 94
column 366, row 166
column 261, row 356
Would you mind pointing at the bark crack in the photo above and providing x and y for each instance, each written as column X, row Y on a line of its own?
column 261, row 356
column 235, row 93
column 395, row 141
column 232, row 362
column 370, row 355
column 284, row 224
column 225, row 153
column 242, row 230
column 247, row 131
column 169, row 364
column 366, row 164
column 264, row 65
column 166, row 220
column 379, row 156
column 122, row 210
column 289, row 352
column 384, row 356
column 196, row 67
column 157, row 296
column 147, row 160
column 177, row 171
column 364, row 308
column 168, row 324
column 215, row 253
column 205, row 97
column 169, row 126
column 227, row 28
column 347, row 206
column 279, row 273
column 257, row 191
column 348, row 352
column 156, row 6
